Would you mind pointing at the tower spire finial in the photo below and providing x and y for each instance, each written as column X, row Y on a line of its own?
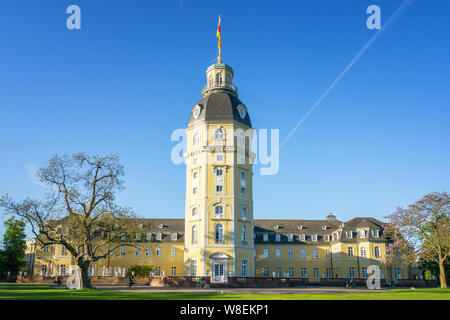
column 219, row 44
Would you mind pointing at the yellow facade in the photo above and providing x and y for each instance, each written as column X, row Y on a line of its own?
column 219, row 237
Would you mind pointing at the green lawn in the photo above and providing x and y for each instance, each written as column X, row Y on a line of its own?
column 49, row 293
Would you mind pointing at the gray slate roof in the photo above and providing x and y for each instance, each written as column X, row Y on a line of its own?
column 219, row 106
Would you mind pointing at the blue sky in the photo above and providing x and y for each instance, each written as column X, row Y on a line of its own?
column 130, row 76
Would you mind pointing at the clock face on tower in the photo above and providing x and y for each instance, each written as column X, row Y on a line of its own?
column 197, row 110
column 241, row 110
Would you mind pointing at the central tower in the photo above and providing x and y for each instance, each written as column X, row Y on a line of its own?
column 219, row 203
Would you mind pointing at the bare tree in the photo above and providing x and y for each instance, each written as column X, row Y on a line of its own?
column 79, row 212
column 421, row 231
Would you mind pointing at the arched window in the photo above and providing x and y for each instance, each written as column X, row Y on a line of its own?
column 244, row 213
column 244, row 235
column 218, row 233
column 194, row 211
column 194, row 234
column 196, row 138
column 218, row 210
column 228, row 79
column 219, row 134
column 243, row 183
column 377, row 252
column 211, row 81
column 218, row 79
column 363, row 252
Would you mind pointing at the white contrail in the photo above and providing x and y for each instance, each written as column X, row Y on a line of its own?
column 396, row 13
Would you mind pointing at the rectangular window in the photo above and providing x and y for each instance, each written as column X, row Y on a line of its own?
column 44, row 270
column 148, row 252
column 278, row 237
column 327, row 237
column 290, row 253
column 159, row 236
column 349, row 234
column 137, row 252
column 352, row 272
column 314, row 237
column 174, row 271
column 304, row 273
column 350, row 251
column 123, row 251
column 158, row 252
column 266, row 272
column 219, row 172
column 244, row 269
column 63, row 251
column 219, row 188
column 316, row 273
column 363, row 234
column 302, row 237
column 278, row 252
column 174, row 252
column 328, row 253
column 265, row 237
column 278, row 272
column 328, row 272
column 363, row 252
column 377, row 252
column 375, row 233
column 397, row 273
column 315, row 253
column 219, row 157
column 193, row 268
column 158, row 271
column 265, row 253
column 303, row 253
column 45, row 248
column 291, row 272
column 174, row 236
column 291, row 238
column 364, row 273
column 194, row 190
column 148, row 236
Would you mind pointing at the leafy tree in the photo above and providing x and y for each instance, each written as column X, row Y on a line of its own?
column 79, row 211
column 141, row 271
column 12, row 256
column 421, row 231
column 433, row 267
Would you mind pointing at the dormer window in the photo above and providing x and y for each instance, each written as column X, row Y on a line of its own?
column 302, row 237
column 300, row 227
column 375, row 233
column 363, row 234
column 314, row 237
column 265, row 237
column 149, row 236
column 327, row 237
column 228, row 79
column 324, row 227
column 174, row 236
column 159, row 236
column 277, row 237
column 291, row 237
column 276, row 227
column 349, row 234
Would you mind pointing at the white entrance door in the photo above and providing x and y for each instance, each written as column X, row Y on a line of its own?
column 218, row 272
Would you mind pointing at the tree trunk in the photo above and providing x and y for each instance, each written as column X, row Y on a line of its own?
column 85, row 280
column 442, row 277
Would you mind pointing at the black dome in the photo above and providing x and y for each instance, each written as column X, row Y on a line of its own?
column 219, row 106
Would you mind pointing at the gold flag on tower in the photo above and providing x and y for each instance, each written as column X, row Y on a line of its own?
column 219, row 44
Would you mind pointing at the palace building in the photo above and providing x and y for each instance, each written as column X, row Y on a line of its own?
column 219, row 237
